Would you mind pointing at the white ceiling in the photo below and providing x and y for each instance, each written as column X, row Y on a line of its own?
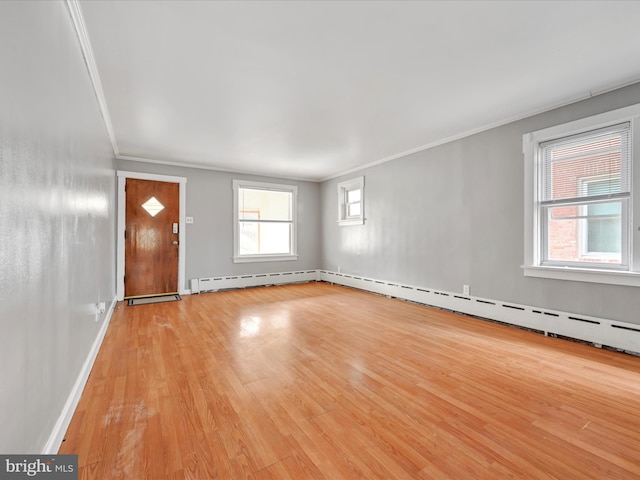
column 310, row 89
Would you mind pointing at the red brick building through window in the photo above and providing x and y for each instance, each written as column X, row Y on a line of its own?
column 582, row 185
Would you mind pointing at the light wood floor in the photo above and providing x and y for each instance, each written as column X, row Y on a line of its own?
column 320, row 381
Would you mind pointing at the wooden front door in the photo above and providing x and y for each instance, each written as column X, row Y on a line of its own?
column 151, row 238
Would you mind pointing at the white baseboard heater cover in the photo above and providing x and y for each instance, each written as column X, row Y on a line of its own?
column 619, row 335
column 212, row 284
column 598, row 331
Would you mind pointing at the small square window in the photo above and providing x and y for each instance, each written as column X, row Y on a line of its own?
column 351, row 202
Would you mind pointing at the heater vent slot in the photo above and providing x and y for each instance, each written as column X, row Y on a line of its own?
column 584, row 320
column 622, row 327
column 485, row 302
column 512, row 307
column 461, row 298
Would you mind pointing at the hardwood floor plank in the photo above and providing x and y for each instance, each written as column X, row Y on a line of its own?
column 324, row 382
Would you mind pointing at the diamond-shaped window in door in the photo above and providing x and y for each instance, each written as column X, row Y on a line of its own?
column 153, row 206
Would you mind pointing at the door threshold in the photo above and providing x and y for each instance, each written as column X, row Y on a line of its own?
column 172, row 297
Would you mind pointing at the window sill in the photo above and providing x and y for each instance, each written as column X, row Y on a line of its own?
column 355, row 221
column 610, row 277
column 264, row 258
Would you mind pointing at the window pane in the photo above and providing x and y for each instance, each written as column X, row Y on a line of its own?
column 264, row 238
column 591, row 188
column 585, row 233
column 249, row 238
column 604, row 228
column 603, row 154
column 264, row 204
column 353, row 196
column 353, row 210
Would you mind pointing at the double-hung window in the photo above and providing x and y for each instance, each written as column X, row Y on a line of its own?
column 585, row 193
column 265, row 221
column 579, row 200
column 351, row 202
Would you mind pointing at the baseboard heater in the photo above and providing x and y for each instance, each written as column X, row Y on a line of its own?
column 599, row 332
column 596, row 331
column 213, row 284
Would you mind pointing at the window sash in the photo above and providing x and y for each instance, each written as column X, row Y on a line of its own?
column 270, row 239
column 279, row 206
column 352, row 203
column 603, row 152
column 583, row 257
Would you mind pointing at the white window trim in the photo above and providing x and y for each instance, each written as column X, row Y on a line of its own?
column 343, row 188
column 531, row 142
column 293, row 189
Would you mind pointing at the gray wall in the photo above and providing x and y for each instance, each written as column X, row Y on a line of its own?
column 209, row 240
column 453, row 215
column 441, row 218
column 57, row 219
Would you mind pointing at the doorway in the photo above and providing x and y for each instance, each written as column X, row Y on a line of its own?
column 151, row 249
column 151, row 238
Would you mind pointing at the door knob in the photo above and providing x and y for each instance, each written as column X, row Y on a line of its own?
column 175, row 242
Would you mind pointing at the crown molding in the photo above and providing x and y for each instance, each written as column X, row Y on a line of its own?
column 85, row 45
column 214, row 168
column 489, row 126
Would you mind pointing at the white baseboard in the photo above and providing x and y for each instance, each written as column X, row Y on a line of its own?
column 597, row 331
column 60, row 428
column 212, row 284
